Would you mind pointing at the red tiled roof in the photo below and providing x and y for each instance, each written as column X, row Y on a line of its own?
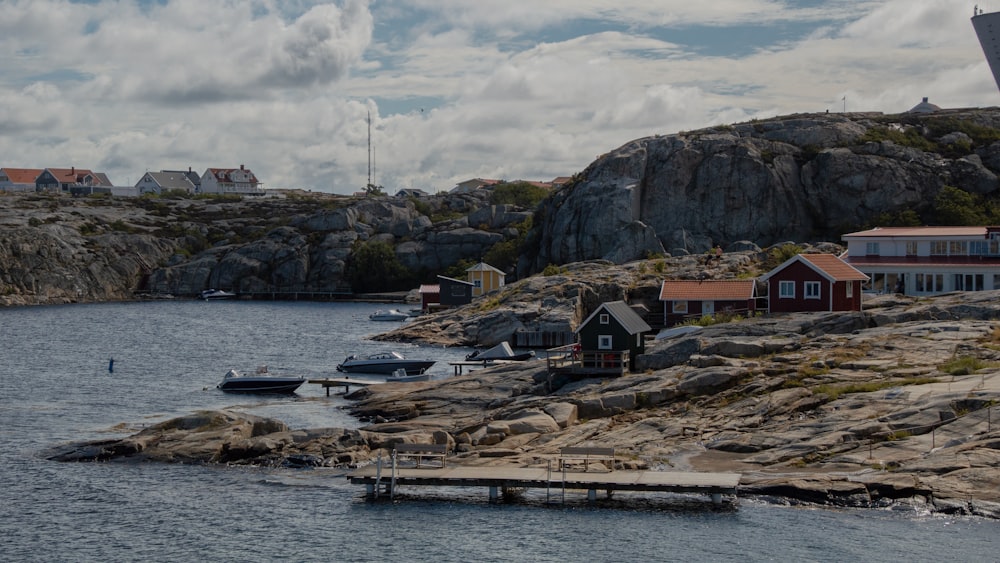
column 833, row 267
column 705, row 290
column 22, row 175
column 940, row 232
column 429, row 288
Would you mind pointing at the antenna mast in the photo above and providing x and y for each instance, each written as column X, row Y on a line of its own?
column 369, row 149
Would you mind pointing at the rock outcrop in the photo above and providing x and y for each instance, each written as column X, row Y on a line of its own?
column 802, row 178
column 894, row 403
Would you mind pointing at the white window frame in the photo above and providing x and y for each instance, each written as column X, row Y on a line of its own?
column 872, row 249
column 786, row 289
column 812, row 290
column 604, row 318
column 680, row 307
column 605, row 342
column 849, row 289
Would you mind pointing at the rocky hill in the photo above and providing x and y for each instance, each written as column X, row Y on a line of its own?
column 801, row 177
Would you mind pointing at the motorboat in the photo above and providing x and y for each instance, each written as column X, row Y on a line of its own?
column 215, row 294
column 499, row 353
column 400, row 376
column 259, row 382
column 384, row 363
column 390, row 315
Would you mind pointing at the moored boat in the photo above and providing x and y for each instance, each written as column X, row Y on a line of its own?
column 400, row 376
column 501, row 352
column 259, row 382
column 216, row 294
column 383, row 363
column 390, row 315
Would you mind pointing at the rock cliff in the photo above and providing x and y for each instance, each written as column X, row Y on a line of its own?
column 801, row 177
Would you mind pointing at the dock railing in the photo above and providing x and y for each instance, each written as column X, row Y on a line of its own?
column 572, row 359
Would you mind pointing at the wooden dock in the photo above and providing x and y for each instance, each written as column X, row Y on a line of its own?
column 501, row 478
column 345, row 382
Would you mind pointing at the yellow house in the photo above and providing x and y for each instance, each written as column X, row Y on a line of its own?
column 485, row 278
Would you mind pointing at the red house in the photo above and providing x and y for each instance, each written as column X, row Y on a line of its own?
column 686, row 299
column 430, row 296
column 814, row 282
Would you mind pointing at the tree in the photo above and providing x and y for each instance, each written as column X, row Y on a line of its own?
column 954, row 206
column 374, row 267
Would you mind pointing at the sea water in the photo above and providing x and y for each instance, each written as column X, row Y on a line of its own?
column 56, row 387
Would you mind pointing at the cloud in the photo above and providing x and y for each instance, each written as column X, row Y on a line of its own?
column 512, row 89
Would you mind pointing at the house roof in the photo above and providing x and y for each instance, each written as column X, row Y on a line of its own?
column 453, row 280
column 225, row 174
column 76, row 175
column 827, row 265
column 171, row 180
column 22, row 175
column 429, row 288
column 621, row 312
column 707, row 290
column 484, row 267
column 889, row 232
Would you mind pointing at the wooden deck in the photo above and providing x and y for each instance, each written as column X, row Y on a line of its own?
column 496, row 478
column 344, row 382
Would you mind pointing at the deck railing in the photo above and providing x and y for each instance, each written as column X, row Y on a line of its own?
column 572, row 359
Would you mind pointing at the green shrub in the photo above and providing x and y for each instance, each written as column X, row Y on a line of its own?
column 521, row 194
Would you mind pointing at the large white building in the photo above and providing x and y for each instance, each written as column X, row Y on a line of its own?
column 927, row 260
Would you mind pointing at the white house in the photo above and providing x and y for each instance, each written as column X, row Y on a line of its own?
column 927, row 260
column 239, row 181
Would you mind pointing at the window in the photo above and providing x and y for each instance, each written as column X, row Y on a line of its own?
column 939, row 248
column 979, row 247
column 786, row 290
column 849, row 289
column 605, row 318
column 457, row 291
column 958, row 248
column 604, row 342
column 680, row 307
column 478, row 284
column 812, row 289
column 871, row 249
column 911, row 248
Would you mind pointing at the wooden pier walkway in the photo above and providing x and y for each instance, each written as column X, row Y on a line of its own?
column 344, row 382
column 500, row 478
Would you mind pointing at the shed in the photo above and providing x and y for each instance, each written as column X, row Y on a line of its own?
column 485, row 278
column 430, row 296
column 613, row 332
column 454, row 293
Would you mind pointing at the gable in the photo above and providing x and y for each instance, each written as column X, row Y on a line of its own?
column 622, row 314
column 707, row 290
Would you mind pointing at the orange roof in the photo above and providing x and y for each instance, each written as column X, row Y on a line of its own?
column 833, row 267
column 22, row 175
column 888, row 232
column 706, row 290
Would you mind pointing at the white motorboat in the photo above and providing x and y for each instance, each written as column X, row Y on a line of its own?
column 400, row 376
column 384, row 363
column 499, row 353
column 390, row 315
column 214, row 294
column 260, row 382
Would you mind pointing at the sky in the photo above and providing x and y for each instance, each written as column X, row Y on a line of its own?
column 455, row 89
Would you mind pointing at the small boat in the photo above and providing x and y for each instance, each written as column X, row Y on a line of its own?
column 501, row 352
column 400, row 376
column 384, row 363
column 214, row 294
column 390, row 315
column 259, row 382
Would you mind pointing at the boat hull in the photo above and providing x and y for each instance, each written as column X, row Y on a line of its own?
column 412, row 367
column 281, row 385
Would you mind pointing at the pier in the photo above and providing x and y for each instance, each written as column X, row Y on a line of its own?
column 344, row 382
column 560, row 481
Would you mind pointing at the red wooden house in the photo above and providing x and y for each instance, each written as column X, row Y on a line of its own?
column 687, row 299
column 814, row 282
column 430, row 296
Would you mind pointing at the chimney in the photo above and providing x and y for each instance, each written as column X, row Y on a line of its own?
column 241, row 167
column 189, row 169
column 72, row 170
column 925, row 99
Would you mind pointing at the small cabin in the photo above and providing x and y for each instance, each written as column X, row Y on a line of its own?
column 454, row 293
column 612, row 334
column 430, row 296
column 693, row 299
column 485, row 278
column 814, row 282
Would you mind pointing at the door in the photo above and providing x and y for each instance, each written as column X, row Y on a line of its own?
column 708, row 307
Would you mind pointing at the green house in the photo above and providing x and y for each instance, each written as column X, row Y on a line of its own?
column 613, row 335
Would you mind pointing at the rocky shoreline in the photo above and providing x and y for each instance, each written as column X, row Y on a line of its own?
column 894, row 404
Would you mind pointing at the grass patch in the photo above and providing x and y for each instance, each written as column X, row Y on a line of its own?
column 834, row 391
column 964, row 365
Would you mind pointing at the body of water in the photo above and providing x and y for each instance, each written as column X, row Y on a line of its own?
column 55, row 387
